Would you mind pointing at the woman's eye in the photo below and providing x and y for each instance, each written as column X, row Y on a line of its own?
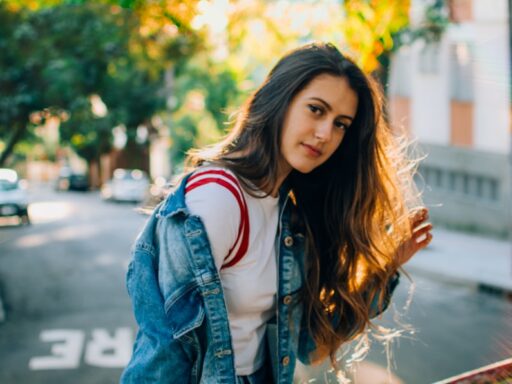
column 316, row 110
column 340, row 124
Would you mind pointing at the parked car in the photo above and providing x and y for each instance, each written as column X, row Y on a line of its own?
column 70, row 180
column 13, row 197
column 126, row 185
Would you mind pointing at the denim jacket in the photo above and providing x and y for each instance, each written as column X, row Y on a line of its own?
column 179, row 304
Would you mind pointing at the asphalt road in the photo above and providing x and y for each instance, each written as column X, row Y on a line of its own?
column 68, row 317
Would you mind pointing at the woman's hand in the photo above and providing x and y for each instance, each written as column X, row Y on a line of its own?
column 420, row 236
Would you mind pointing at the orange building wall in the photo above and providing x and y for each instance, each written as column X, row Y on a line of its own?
column 460, row 10
column 400, row 113
column 461, row 123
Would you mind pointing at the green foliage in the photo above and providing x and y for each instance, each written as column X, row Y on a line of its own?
column 222, row 92
column 56, row 55
column 18, row 73
column 371, row 27
column 59, row 56
column 217, row 81
column 374, row 30
column 204, row 92
column 183, row 134
column 89, row 135
column 434, row 23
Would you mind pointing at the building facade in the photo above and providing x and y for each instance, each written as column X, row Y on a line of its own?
column 453, row 96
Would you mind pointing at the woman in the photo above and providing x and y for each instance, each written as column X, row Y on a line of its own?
column 283, row 240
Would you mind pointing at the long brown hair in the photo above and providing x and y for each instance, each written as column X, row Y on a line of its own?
column 354, row 207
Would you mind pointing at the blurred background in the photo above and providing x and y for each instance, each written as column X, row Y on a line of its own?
column 100, row 100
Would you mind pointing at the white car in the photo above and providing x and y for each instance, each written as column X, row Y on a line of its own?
column 126, row 185
column 13, row 196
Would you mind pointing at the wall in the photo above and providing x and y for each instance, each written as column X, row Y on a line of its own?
column 467, row 189
column 454, row 98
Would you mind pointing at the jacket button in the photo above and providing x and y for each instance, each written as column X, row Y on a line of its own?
column 285, row 361
column 288, row 241
column 287, row 299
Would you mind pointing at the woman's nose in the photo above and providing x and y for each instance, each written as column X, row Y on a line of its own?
column 323, row 131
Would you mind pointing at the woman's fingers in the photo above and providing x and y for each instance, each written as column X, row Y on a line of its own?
column 418, row 217
column 424, row 241
column 421, row 229
column 422, row 236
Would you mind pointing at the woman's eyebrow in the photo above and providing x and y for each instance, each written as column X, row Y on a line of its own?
column 329, row 108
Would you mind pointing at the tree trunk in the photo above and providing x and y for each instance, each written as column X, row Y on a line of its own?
column 19, row 131
column 94, row 174
column 382, row 73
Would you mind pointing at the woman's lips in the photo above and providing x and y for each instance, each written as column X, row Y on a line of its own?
column 312, row 151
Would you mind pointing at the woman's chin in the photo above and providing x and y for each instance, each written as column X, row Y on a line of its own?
column 304, row 169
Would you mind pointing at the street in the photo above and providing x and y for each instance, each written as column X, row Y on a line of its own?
column 69, row 320
column 62, row 280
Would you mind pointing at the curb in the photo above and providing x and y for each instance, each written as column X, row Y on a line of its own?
column 490, row 288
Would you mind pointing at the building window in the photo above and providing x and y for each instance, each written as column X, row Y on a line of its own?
column 429, row 58
column 401, row 73
column 461, row 72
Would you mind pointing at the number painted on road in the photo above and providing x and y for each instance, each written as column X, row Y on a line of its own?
column 102, row 350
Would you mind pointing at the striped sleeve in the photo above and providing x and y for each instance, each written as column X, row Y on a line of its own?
column 217, row 198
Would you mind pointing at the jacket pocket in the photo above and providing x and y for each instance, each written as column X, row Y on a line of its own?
column 185, row 312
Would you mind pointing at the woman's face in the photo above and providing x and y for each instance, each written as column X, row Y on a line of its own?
column 315, row 123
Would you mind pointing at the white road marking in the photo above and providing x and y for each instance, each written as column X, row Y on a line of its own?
column 106, row 351
column 102, row 350
column 65, row 355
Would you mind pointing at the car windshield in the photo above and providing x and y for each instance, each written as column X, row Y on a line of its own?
column 6, row 185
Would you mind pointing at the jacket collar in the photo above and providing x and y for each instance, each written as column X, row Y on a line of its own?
column 174, row 204
column 284, row 191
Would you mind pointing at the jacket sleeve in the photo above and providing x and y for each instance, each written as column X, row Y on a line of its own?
column 157, row 357
column 375, row 309
column 307, row 346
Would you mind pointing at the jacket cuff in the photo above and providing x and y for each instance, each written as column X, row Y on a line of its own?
column 375, row 308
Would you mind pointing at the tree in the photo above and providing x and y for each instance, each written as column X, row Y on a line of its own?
column 234, row 62
column 18, row 97
column 204, row 93
column 56, row 57
column 371, row 30
column 374, row 30
column 52, row 59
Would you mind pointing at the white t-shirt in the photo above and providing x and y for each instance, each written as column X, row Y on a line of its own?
column 247, row 271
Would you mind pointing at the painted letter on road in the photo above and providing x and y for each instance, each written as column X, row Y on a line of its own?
column 110, row 352
column 65, row 353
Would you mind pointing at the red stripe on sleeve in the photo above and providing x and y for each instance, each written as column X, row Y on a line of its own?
column 243, row 229
column 219, row 172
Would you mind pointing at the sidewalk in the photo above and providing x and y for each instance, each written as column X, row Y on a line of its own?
column 466, row 258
